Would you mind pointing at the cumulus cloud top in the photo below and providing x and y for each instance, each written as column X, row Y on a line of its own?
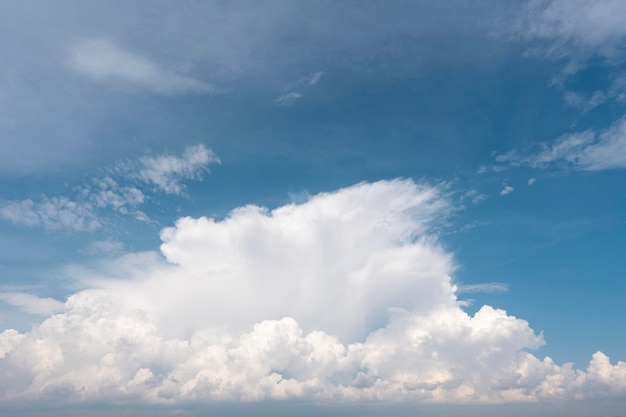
column 344, row 297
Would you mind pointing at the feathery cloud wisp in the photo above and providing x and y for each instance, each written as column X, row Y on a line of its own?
column 102, row 60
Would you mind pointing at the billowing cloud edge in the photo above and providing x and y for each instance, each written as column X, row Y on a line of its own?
column 345, row 297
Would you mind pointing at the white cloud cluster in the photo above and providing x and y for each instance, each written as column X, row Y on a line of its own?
column 345, row 297
column 82, row 212
column 167, row 171
column 589, row 150
column 51, row 213
column 103, row 61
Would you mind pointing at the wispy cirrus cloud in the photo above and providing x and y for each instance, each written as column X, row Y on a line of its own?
column 575, row 27
column 288, row 98
column 487, row 287
column 589, row 150
column 295, row 89
column 103, row 61
column 507, row 190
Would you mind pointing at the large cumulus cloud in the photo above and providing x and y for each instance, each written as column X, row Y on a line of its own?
column 346, row 297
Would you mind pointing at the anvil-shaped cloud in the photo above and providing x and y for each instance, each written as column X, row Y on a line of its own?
column 347, row 296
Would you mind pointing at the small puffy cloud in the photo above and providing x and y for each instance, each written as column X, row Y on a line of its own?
column 32, row 304
column 288, row 99
column 507, row 190
column 167, row 171
column 344, row 297
column 531, row 181
column 102, row 60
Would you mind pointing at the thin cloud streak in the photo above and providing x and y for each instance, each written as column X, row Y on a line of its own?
column 104, row 61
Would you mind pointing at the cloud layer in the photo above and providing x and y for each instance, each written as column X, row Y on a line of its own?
column 345, row 297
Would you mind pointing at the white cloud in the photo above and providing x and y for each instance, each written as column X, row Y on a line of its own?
column 589, row 150
column 20, row 212
column 167, row 171
column 489, row 287
column 474, row 196
column 315, row 78
column 585, row 104
column 52, row 213
column 288, row 99
column 102, row 60
column 507, row 190
column 32, row 304
column 576, row 26
column 84, row 210
column 532, row 181
column 345, row 297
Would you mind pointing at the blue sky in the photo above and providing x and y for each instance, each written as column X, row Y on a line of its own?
column 414, row 205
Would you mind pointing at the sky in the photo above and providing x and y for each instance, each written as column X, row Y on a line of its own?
column 408, row 208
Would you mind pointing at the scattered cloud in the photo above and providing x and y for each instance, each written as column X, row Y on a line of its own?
column 347, row 296
column 103, row 61
column 32, row 304
column 582, row 103
column 580, row 27
column 474, row 196
column 167, row 172
column 577, row 34
column 507, row 190
column 52, row 213
column 22, row 213
column 288, row 99
column 83, row 211
column 589, row 150
column 532, row 181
